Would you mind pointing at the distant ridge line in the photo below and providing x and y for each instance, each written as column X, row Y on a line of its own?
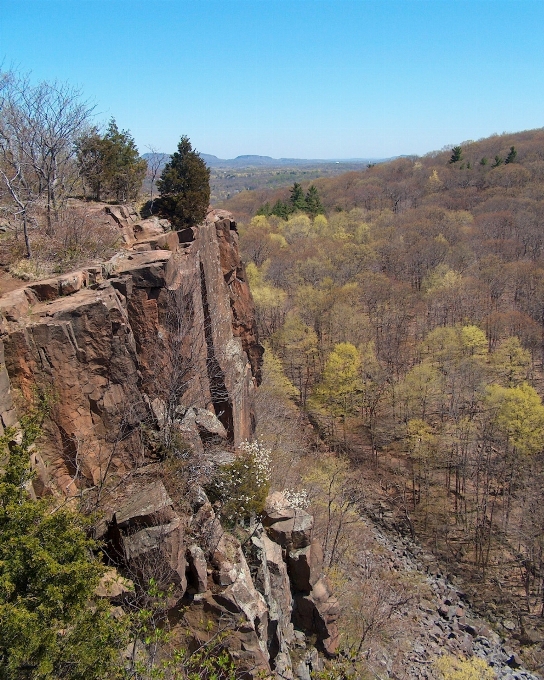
column 248, row 160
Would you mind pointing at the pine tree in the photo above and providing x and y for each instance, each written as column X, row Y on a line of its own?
column 184, row 187
column 281, row 209
column 498, row 161
column 456, row 154
column 511, row 158
column 110, row 164
column 314, row 206
column 125, row 169
column 297, row 200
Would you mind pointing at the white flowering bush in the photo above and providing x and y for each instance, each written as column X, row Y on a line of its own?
column 241, row 487
column 296, row 498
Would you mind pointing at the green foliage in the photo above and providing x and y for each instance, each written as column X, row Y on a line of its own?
column 298, row 202
column 296, row 343
column 454, row 344
column 498, row 161
column 265, row 210
column 511, row 158
column 277, row 382
column 110, row 164
column 184, row 187
column 341, row 381
column 298, row 227
column 269, row 300
column 51, row 624
column 296, row 199
column 281, row 209
column 510, row 362
column 456, row 155
column 519, row 416
column 241, row 487
column 313, row 203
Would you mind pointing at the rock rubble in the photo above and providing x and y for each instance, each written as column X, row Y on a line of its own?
column 444, row 622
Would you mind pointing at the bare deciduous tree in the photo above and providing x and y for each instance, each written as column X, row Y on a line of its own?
column 38, row 127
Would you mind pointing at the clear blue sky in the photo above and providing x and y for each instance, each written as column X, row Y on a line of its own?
column 291, row 78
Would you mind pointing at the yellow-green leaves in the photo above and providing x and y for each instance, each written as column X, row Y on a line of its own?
column 453, row 668
column 341, row 381
column 518, row 414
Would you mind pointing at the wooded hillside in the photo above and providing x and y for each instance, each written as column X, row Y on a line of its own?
column 410, row 319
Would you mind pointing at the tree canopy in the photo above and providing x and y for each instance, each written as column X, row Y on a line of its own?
column 184, row 187
column 110, row 164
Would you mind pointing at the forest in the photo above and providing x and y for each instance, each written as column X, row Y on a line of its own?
column 401, row 306
column 409, row 320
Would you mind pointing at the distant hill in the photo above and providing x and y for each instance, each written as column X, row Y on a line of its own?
column 407, row 181
column 251, row 172
column 252, row 160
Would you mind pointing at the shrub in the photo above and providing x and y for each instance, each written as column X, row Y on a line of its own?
column 241, row 487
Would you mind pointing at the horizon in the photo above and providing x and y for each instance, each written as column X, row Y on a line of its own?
column 300, row 79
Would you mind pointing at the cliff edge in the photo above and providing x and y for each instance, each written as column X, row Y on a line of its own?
column 150, row 360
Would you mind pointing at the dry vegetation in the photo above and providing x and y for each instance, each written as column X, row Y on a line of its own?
column 409, row 321
column 82, row 234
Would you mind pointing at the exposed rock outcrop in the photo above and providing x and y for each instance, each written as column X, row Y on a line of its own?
column 155, row 352
column 174, row 325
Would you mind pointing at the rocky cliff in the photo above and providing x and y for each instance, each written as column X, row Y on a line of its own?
column 166, row 322
column 150, row 360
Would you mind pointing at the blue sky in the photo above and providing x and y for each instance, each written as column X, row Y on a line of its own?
column 291, row 78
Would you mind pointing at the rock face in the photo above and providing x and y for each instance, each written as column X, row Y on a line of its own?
column 166, row 325
column 156, row 352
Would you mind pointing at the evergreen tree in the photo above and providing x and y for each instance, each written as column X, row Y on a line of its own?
column 51, row 624
column 498, row 161
column 125, row 170
column 91, row 158
column 110, row 164
column 297, row 200
column 265, row 210
column 184, row 187
column 281, row 209
column 511, row 158
column 456, row 154
column 314, row 206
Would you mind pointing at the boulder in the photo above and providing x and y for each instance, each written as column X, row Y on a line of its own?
column 158, row 551
column 209, row 423
column 113, row 586
column 15, row 306
column 292, row 533
column 277, row 509
column 148, row 228
column 73, row 282
column 198, row 568
column 288, row 526
column 147, row 506
column 188, row 430
column 305, row 566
